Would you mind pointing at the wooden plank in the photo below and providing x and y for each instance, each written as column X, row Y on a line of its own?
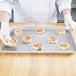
column 37, row 65
column 21, row 24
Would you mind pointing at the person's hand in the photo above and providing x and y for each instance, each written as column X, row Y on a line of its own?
column 4, row 19
column 68, row 21
column 4, row 16
column 5, row 33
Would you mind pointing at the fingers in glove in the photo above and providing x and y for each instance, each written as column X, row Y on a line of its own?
column 67, row 26
column 73, row 25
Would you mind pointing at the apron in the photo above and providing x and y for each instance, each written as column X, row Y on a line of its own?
column 34, row 10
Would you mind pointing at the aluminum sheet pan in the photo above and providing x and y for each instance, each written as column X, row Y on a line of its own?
column 47, row 48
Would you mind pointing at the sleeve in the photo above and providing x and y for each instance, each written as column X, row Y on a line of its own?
column 5, row 6
column 63, row 4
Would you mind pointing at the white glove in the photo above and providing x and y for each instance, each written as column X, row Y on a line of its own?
column 5, row 33
column 70, row 24
column 5, row 30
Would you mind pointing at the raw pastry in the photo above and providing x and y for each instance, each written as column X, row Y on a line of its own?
column 60, row 31
column 64, row 46
column 40, row 31
column 14, row 41
column 27, row 39
column 38, row 46
column 18, row 32
column 52, row 40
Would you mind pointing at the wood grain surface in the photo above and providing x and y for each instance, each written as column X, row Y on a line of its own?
column 38, row 64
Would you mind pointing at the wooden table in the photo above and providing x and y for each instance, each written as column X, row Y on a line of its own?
column 38, row 64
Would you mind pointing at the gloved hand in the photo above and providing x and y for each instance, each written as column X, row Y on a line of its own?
column 5, row 33
column 68, row 21
column 5, row 30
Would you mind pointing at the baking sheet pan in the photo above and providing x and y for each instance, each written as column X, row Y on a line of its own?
column 47, row 48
